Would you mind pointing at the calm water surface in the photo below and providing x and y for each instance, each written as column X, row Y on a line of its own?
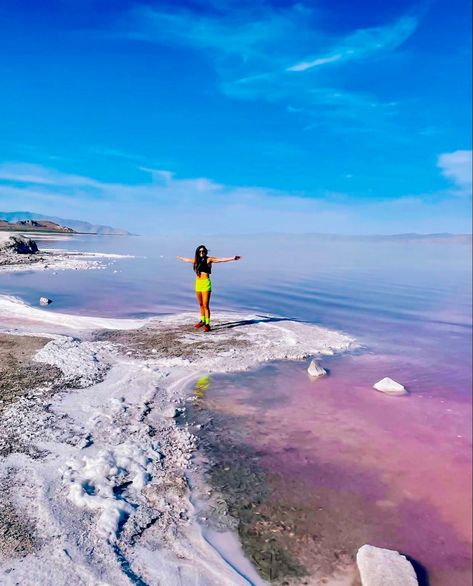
column 396, row 471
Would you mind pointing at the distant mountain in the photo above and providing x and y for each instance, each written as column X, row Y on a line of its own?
column 76, row 225
column 34, row 226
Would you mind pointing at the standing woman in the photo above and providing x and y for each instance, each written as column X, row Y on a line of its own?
column 203, row 285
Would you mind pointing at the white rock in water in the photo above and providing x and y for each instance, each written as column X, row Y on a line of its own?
column 315, row 369
column 384, row 567
column 390, row 387
column 45, row 301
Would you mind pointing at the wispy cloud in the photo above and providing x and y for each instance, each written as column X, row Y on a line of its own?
column 164, row 203
column 364, row 43
column 247, row 32
column 259, row 51
column 27, row 173
column 457, row 167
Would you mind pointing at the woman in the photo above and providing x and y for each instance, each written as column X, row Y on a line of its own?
column 203, row 286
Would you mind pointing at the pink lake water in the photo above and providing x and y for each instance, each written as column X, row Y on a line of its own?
column 391, row 471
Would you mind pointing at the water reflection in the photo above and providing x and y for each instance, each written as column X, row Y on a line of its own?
column 201, row 386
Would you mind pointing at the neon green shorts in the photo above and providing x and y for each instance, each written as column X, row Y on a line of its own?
column 203, row 285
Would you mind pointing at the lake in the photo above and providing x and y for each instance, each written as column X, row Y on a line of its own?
column 357, row 466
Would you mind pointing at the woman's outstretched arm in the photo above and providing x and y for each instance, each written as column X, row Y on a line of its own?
column 226, row 259
column 183, row 258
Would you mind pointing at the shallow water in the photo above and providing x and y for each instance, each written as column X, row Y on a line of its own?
column 395, row 472
column 361, row 467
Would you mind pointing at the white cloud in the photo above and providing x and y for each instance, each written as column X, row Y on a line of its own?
column 457, row 167
column 162, row 203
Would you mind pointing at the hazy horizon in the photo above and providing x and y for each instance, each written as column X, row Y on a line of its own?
column 262, row 233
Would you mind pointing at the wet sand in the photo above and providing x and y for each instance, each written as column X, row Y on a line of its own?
column 18, row 373
column 19, row 376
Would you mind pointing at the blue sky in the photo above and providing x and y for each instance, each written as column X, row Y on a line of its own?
column 327, row 116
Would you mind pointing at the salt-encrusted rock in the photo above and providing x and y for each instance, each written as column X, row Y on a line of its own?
column 171, row 412
column 384, row 567
column 315, row 369
column 390, row 387
column 44, row 301
column 19, row 245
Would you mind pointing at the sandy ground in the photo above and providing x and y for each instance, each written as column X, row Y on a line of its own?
column 96, row 473
column 19, row 376
column 18, row 373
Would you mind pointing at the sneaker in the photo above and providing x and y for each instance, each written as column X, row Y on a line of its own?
column 199, row 324
column 206, row 328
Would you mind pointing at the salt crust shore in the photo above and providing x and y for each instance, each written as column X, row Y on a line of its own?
column 56, row 259
column 106, row 495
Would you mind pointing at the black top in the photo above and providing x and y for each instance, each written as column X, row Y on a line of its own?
column 204, row 266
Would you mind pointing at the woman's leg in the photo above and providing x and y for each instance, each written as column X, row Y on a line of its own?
column 206, row 305
column 200, row 301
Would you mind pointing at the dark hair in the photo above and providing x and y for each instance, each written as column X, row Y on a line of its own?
column 200, row 260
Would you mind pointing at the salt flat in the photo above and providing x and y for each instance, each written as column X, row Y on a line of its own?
column 99, row 482
column 56, row 259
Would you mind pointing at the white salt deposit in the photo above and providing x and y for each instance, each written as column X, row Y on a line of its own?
column 82, row 254
column 12, row 308
column 79, row 361
column 107, row 493
column 47, row 261
column 241, row 341
column 57, row 259
column 95, row 482
column 48, row 237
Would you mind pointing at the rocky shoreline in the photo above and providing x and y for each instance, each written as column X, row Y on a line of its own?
column 19, row 253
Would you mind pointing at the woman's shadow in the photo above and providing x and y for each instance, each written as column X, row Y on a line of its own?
column 248, row 322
